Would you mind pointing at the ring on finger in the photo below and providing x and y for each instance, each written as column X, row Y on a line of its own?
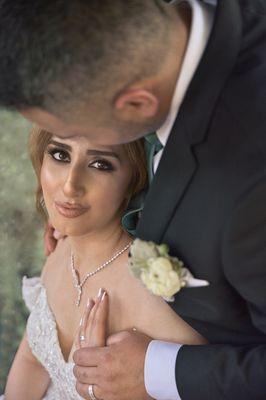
column 91, row 393
column 82, row 338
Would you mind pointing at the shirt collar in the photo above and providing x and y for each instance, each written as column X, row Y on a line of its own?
column 201, row 26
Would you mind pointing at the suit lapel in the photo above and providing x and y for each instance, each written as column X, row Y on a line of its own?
column 178, row 165
column 169, row 183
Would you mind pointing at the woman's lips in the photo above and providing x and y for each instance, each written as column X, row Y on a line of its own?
column 70, row 211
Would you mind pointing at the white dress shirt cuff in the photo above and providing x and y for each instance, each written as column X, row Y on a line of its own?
column 159, row 370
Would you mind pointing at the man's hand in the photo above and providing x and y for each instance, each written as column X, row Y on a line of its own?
column 116, row 371
column 51, row 236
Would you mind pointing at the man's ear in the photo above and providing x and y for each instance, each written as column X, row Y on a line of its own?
column 136, row 105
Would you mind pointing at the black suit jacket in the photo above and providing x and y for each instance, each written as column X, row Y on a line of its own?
column 208, row 202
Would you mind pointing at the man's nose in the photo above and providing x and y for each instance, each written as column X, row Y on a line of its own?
column 74, row 185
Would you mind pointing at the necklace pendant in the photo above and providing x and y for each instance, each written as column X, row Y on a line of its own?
column 78, row 283
column 79, row 296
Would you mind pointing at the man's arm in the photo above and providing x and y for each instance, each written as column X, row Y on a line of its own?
column 159, row 370
column 227, row 371
column 221, row 372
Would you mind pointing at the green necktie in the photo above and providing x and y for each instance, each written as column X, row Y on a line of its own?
column 152, row 147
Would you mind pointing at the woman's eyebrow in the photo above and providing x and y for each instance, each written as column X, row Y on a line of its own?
column 65, row 146
column 92, row 152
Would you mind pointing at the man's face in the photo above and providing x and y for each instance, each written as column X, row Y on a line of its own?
column 99, row 133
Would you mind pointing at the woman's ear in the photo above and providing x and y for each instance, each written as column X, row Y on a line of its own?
column 136, row 105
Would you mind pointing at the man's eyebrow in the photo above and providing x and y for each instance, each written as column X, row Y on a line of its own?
column 90, row 152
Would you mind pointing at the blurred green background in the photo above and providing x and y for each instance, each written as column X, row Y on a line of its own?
column 20, row 233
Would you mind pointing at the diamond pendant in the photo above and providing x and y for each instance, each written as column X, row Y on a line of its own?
column 79, row 296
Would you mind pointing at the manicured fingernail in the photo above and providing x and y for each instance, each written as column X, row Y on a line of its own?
column 100, row 293
column 88, row 302
column 103, row 295
column 80, row 322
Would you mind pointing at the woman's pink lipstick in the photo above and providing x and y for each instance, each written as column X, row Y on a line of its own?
column 70, row 211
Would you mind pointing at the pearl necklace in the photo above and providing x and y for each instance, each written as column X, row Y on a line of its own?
column 79, row 285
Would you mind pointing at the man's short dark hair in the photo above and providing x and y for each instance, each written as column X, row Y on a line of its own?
column 54, row 51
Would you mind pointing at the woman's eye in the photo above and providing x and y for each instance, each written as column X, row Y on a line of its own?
column 102, row 165
column 59, row 155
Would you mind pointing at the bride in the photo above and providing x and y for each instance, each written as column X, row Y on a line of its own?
column 85, row 292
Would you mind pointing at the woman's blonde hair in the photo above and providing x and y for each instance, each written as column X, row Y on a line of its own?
column 39, row 140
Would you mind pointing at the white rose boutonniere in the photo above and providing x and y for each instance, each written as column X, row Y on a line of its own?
column 162, row 274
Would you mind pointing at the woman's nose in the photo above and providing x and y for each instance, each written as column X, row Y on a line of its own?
column 74, row 183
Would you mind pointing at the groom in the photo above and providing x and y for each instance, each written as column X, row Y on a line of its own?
column 194, row 72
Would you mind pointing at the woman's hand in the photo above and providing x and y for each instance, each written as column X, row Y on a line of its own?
column 92, row 332
column 93, row 325
column 51, row 236
column 110, row 366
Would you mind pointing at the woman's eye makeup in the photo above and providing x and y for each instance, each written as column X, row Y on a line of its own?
column 59, row 154
column 102, row 165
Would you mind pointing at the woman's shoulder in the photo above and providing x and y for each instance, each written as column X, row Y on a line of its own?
column 55, row 262
column 31, row 289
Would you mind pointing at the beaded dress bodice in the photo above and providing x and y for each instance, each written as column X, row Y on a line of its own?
column 43, row 341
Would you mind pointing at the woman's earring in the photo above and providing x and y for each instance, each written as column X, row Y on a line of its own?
column 42, row 203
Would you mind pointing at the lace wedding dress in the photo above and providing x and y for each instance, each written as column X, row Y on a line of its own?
column 44, row 343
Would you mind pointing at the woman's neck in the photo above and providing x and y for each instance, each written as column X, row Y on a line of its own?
column 94, row 249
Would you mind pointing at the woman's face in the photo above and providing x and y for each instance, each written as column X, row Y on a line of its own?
column 84, row 186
